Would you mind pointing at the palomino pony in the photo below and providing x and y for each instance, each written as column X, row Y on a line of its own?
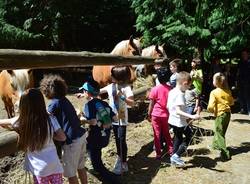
column 153, row 51
column 12, row 84
column 131, row 47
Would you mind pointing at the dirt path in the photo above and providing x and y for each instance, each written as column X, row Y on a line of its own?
column 202, row 167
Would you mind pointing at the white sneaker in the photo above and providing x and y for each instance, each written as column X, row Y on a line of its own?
column 176, row 160
column 117, row 167
column 125, row 167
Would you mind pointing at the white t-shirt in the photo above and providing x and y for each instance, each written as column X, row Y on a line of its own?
column 176, row 98
column 44, row 162
column 123, row 109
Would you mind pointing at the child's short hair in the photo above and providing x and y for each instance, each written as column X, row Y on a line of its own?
column 92, row 87
column 53, row 86
column 163, row 75
column 176, row 63
column 121, row 73
column 220, row 80
column 183, row 77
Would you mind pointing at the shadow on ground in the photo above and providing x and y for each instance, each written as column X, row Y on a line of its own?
column 242, row 121
column 140, row 164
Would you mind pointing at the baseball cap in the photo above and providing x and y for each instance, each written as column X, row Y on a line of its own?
column 87, row 86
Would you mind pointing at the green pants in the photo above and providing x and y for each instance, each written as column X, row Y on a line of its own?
column 219, row 142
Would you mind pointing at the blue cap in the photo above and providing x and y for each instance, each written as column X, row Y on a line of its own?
column 87, row 87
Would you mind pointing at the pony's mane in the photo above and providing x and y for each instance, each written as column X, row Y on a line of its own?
column 20, row 79
column 122, row 47
column 149, row 51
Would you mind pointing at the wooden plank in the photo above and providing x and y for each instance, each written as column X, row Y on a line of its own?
column 8, row 142
column 20, row 59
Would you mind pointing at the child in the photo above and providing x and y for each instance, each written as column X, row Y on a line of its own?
column 36, row 130
column 219, row 103
column 192, row 101
column 74, row 148
column 177, row 117
column 196, row 75
column 158, row 113
column 120, row 95
column 174, row 68
column 99, row 116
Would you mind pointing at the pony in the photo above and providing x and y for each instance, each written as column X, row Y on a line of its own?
column 131, row 47
column 154, row 51
column 12, row 84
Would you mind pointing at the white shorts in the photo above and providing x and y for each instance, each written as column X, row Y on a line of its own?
column 73, row 156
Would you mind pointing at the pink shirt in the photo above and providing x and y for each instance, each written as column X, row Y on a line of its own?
column 159, row 94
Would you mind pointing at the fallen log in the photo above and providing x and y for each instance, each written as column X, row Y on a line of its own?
column 8, row 142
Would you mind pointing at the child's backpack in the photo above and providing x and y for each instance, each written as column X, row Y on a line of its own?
column 103, row 115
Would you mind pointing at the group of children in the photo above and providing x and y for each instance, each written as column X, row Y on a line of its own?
column 174, row 104
column 39, row 126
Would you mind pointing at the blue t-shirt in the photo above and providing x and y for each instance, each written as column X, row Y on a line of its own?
column 66, row 115
column 95, row 138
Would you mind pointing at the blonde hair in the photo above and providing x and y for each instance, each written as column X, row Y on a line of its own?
column 220, row 80
column 183, row 77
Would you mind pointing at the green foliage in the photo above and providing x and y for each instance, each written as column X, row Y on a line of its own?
column 72, row 24
column 214, row 27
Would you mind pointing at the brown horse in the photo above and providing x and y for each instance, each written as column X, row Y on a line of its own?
column 131, row 47
column 154, row 51
column 12, row 84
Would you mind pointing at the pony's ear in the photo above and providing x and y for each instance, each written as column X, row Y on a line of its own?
column 163, row 45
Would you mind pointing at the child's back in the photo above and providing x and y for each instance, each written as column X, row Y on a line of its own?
column 160, row 94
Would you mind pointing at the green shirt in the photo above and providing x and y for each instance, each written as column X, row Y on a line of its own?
column 197, row 78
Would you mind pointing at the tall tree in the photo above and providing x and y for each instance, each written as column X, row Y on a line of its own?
column 213, row 27
column 72, row 24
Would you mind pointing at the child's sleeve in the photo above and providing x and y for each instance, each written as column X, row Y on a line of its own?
column 54, row 123
column 53, row 107
column 211, row 103
column 152, row 94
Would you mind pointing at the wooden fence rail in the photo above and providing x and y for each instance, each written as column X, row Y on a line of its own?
column 21, row 59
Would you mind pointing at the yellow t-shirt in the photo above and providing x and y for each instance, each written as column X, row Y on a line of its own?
column 220, row 101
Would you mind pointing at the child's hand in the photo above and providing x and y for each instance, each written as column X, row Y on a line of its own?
column 196, row 116
column 79, row 95
column 148, row 117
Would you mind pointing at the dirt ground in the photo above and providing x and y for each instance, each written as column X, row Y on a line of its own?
column 202, row 166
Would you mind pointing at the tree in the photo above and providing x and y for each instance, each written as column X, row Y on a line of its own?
column 72, row 24
column 213, row 27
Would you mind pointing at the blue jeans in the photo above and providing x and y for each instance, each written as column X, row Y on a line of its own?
column 120, row 140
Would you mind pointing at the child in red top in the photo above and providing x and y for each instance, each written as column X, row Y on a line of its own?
column 158, row 113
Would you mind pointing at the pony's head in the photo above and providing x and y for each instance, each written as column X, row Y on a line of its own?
column 154, row 51
column 20, row 80
column 131, row 47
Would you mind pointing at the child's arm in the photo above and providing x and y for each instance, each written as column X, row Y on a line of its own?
column 150, row 108
column 182, row 113
column 8, row 122
column 59, row 135
column 129, row 100
column 211, row 103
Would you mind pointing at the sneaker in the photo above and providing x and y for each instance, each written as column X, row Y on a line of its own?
column 117, row 167
column 125, row 167
column 176, row 160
